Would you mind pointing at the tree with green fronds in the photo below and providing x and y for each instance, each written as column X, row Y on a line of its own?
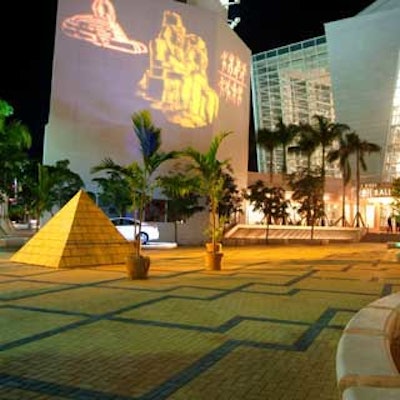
column 342, row 155
column 268, row 139
column 114, row 192
column 325, row 132
column 270, row 201
column 66, row 183
column 286, row 134
column 308, row 191
column 307, row 143
column 360, row 148
column 15, row 141
column 231, row 203
column 46, row 188
column 209, row 170
column 140, row 174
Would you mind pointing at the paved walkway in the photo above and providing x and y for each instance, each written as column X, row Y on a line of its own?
column 265, row 327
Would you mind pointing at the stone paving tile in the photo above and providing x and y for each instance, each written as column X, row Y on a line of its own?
column 352, row 286
column 17, row 324
column 16, row 289
column 111, row 357
column 89, row 300
column 11, row 269
column 266, row 374
column 265, row 327
column 268, row 287
column 341, row 318
column 83, row 276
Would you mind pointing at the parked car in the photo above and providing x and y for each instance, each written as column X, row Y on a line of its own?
column 126, row 226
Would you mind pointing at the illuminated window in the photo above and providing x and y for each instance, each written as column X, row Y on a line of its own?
column 292, row 83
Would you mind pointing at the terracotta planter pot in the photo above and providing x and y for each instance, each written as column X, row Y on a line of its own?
column 210, row 246
column 137, row 266
column 214, row 260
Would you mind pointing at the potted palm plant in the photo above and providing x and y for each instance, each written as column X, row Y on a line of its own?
column 210, row 173
column 140, row 178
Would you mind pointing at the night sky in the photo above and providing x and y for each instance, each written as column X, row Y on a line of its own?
column 27, row 40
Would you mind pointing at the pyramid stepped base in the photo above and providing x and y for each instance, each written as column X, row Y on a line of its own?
column 78, row 256
column 79, row 235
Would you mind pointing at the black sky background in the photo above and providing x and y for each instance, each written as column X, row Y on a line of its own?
column 27, row 40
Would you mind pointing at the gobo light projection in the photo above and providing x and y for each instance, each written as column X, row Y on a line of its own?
column 233, row 74
column 176, row 79
column 102, row 29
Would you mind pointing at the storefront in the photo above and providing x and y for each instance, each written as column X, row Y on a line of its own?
column 376, row 205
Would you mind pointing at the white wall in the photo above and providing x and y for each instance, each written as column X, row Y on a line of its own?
column 363, row 55
column 96, row 84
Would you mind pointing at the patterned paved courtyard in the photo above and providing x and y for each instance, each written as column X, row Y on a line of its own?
column 265, row 327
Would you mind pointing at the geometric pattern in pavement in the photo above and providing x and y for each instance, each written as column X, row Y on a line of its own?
column 265, row 327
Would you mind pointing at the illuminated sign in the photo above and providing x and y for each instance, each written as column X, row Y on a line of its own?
column 233, row 73
column 176, row 81
column 102, row 29
column 376, row 190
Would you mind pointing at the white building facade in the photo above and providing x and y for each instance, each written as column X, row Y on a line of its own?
column 350, row 75
column 178, row 59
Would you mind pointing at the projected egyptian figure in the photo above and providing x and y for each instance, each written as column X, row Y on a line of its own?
column 102, row 29
column 176, row 81
column 233, row 72
column 104, row 9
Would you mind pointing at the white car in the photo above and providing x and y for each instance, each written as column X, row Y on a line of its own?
column 126, row 226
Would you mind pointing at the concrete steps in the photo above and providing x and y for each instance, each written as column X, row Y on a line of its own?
column 246, row 234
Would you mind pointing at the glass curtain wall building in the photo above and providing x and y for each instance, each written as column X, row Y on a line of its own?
column 293, row 83
column 350, row 75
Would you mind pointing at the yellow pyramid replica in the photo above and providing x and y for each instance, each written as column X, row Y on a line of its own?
column 79, row 235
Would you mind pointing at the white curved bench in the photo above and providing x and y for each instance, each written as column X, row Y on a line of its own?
column 365, row 368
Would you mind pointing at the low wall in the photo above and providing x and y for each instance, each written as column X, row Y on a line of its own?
column 290, row 233
column 368, row 351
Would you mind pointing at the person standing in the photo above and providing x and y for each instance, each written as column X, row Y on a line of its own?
column 389, row 223
column 397, row 219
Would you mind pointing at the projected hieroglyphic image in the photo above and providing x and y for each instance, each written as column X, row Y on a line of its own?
column 233, row 73
column 101, row 28
column 176, row 81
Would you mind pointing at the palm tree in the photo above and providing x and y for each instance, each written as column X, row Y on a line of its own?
column 209, row 171
column 307, row 142
column 342, row 153
column 360, row 148
column 286, row 134
column 268, row 139
column 139, row 174
column 326, row 132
